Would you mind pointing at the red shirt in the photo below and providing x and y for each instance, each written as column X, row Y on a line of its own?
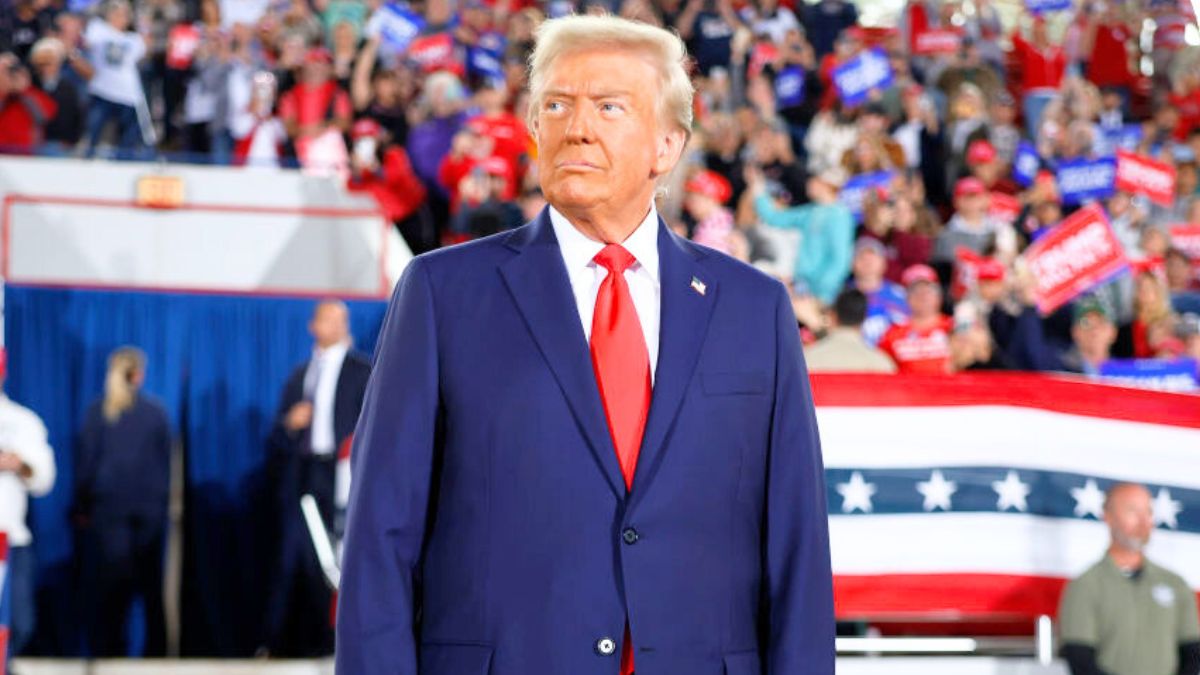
column 1040, row 68
column 22, row 118
column 507, row 132
column 396, row 187
column 920, row 352
column 306, row 104
column 1188, row 105
column 1109, row 61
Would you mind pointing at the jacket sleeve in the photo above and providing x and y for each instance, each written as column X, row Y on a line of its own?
column 391, row 471
column 833, row 272
column 794, row 218
column 799, row 582
column 35, row 453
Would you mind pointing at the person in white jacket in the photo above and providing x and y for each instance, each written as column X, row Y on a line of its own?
column 26, row 469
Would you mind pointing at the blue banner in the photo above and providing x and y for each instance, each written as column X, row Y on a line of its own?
column 1026, row 164
column 1083, row 180
column 857, row 77
column 1159, row 374
column 1125, row 137
column 80, row 6
column 396, row 24
column 485, row 63
column 789, row 87
column 855, row 190
column 1043, row 6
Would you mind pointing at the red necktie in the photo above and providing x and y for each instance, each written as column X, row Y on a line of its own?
column 622, row 365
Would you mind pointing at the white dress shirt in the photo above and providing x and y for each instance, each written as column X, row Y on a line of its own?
column 320, row 385
column 22, row 432
column 642, row 276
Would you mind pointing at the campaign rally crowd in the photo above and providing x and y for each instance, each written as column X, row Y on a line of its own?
column 976, row 185
column 969, row 170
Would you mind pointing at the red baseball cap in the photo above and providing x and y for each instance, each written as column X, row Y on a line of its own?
column 969, row 187
column 365, row 127
column 918, row 273
column 710, row 184
column 990, row 269
column 318, row 55
column 980, row 152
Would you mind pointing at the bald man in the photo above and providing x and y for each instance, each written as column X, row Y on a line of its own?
column 319, row 408
column 1126, row 615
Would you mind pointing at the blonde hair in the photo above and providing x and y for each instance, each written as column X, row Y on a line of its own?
column 556, row 38
column 120, row 389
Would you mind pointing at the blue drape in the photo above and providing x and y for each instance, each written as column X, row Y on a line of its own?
column 217, row 363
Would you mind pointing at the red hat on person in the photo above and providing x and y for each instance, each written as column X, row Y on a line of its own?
column 990, row 269
column 980, row 152
column 710, row 184
column 365, row 127
column 918, row 273
column 318, row 55
column 969, row 187
column 1047, row 180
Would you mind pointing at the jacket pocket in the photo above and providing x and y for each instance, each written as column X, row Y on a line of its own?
column 743, row 663
column 719, row 384
column 455, row 659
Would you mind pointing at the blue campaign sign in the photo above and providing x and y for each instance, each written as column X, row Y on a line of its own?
column 855, row 190
column 1160, row 374
column 1082, row 180
column 1043, row 6
column 1026, row 163
column 1126, row 137
column 484, row 63
column 396, row 24
column 857, row 77
column 789, row 87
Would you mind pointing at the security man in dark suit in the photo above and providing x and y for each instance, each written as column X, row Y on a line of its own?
column 320, row 406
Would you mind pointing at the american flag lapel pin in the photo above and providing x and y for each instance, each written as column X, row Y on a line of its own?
column 698, row 286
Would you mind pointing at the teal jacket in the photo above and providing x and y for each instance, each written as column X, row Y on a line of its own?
column 826, row 242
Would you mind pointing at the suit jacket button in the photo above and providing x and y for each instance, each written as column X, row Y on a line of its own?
column 606, row 646
column 630, row 535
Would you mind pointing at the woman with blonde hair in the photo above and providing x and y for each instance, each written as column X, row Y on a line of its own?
column 1152, row 314
column 122, row 480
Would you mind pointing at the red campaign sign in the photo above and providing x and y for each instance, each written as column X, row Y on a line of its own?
column 182, row 42
column 1141, row 175
column 1187, row 239
column 1004, row 207
column 435, row 52
column 1078, row 255
column 938, row 42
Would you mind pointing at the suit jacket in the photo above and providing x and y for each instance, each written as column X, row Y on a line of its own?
column 286, row 473
column 347, row 400
column 489, row 527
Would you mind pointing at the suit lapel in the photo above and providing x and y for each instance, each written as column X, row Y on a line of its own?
column 688, row 295
column 538, row 282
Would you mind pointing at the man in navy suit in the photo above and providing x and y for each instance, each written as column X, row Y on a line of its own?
column 588, row 446
column 319, row 408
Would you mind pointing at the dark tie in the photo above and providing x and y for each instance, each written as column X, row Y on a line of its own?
column 622, row 365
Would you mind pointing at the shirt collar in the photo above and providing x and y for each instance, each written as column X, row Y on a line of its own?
column 578, row 250
column 332, row 351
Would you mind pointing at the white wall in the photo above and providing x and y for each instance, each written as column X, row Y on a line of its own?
column 226, row 238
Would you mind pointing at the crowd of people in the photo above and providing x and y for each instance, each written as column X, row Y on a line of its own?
column 951, row 159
